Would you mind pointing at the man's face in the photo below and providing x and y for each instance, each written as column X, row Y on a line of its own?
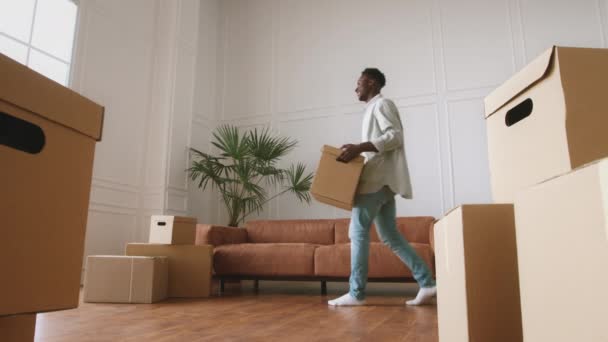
column 364, row 88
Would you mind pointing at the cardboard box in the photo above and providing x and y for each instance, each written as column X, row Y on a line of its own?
column 126, row 279
column 47, row 142
column 18, row 328
column 189, row 266
column 477, row 278
column 562, row 241
column 173, row 230
column 560, row 101
column 335, row 183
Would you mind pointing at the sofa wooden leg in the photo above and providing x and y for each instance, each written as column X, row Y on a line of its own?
column 256, row 285
column 323, row 287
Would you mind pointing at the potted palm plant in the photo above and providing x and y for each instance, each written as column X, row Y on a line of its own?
column 246, row 163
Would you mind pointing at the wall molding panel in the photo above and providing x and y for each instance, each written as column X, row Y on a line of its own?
column 140, row 163
column 277, row 70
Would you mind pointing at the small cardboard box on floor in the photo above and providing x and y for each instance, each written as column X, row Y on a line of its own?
column 562, row 242
column 335, row 182
column 126, row 279
column 47, row 142
column 190, row 266
column 477, row 277
column 18, row 328
column 548, row 119
column 173, row 230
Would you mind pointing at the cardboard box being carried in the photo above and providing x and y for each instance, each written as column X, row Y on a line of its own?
column 47, row 142
column 335, row 182
column 562, row 242
column 173, row 230
column 126, row 279
column 477, row 278
column 547, row 119
column 190, row 266
column 18, row 328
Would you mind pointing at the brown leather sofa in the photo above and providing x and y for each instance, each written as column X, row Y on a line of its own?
column 316, row 250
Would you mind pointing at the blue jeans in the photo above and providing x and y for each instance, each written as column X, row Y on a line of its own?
column 379, row 207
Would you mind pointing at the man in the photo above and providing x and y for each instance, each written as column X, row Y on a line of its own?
column 385, row 174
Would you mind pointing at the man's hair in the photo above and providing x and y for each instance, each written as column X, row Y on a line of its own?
column 376, row 75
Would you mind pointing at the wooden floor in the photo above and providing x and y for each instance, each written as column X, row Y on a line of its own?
column 277, row 312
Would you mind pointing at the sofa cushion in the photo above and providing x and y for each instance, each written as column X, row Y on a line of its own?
column 291, row 231
column 269, row 259
column 415, row 229
column 334, row 261
column 208, row 234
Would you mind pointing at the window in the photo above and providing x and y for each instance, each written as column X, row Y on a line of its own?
column 39, row 34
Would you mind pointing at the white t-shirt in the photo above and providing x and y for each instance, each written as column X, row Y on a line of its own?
column 382, row 127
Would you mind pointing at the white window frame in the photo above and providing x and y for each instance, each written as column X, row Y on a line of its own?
column 30, row 47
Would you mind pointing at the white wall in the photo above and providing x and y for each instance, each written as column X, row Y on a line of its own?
column 137, row 58
column 169, row 72
column 204, row 118
column 293, row 64
column 114, row 59
column 181, row 113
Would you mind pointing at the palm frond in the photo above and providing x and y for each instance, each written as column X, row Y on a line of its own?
column 208, row 169
column 271, row 174
column 299, row 183
column 201, row 154
column 228, row 141
column 265, row 147
column 244, row 161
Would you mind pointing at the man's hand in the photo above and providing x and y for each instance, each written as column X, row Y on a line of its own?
column 349, row 152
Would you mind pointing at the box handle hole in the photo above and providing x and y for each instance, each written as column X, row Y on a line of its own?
column 161, row 223
column 20, row 134
column 519, row 112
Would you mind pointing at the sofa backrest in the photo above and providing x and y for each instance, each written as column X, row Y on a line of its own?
column 415, row 229
column 319, row 232
column 327, row 232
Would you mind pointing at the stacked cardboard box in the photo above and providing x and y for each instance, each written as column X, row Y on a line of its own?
column 546, row 241
column 47, row 143
column 173, row 230
column 170, row 265
column 190, row 265
column 477, row 277
column 125, row 279
column 562, row 241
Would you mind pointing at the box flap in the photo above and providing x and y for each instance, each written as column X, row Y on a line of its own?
column 331, row 150
column 450, row 211
column 519, row 82
column 174, row 219
column 31, row 91
column 336, row 152
column 602, row 165
column 464, row 207
column 461, row 207
column 184, row 219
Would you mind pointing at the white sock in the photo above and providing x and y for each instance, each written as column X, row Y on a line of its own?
column 424, row 296
column 346, row 300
